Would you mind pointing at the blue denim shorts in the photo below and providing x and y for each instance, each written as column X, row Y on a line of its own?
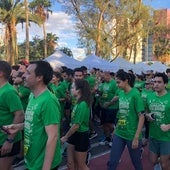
column 159, row 147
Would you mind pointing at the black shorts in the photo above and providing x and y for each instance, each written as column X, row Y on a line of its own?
column 80, row 140
column 15, row 150
column 108, row 116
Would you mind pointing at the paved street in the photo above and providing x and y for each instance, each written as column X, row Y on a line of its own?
column 100, row 156
column 96, row 149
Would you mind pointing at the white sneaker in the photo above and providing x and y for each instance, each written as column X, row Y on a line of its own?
column 110, row 144
column 157, row 167
column 88, row 158
column 104, row 142
column 93, row 135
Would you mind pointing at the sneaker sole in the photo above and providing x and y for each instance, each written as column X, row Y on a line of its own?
column 22, row 162
column 103, row 143
column 88, row 158
column 93, row 136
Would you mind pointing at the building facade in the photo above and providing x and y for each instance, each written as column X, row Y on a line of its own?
column 161, row 18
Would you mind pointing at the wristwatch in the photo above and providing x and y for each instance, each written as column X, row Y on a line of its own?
column 10, row 140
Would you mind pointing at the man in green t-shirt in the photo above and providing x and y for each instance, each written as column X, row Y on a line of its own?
column 11, row 111
column 158, row 107
column 42, row 120
column 108, row 91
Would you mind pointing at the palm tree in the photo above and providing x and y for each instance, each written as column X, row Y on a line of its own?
column 12, row 12
column 41, row 9
column 51, row 42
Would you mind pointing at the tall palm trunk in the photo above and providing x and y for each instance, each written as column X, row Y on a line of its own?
column 12, row 49
column 27, row 31
column 45, row 40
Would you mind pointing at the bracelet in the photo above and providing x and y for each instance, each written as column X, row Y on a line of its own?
column 10, row 140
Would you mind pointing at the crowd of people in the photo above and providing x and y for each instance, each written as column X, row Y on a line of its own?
column 41, row 109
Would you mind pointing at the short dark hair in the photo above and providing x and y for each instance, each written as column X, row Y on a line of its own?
column 6, row 69
column 78, row 69
column 168, row 70
column 164, row 77
column 84, row 68
column 44, row 69
column 68, row 71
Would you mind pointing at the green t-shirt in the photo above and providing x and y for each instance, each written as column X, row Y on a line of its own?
column 144, row 94
column 108, row 90
column 53, row 88
column 91, row 80
column 130, row 104
column 24, row 93
column 168, row 86
column 41, row 111
column 9, row 103
column 139, row 85
column 160, row 106
column 81, row 115
column 61, row 91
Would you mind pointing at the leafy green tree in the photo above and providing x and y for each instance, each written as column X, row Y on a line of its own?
column 66, row 51
column 36, row 47
column 41, row 8
column 109, row 27
column 161, row 41
column 51, row 43
column 12, row 12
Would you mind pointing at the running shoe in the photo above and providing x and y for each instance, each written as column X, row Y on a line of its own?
column 18, row 162
column 93, row 135
column 88, row 158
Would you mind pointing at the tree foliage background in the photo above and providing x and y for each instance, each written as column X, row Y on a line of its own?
column 108, row 28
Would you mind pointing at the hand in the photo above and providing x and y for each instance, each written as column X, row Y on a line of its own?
column 106, row 104
column 165, row 127
column 6, row 148
column 115, row 98
column 11, row 129
column 135, row 143
column 4, row 130
column 63, row 139
column 149, row 117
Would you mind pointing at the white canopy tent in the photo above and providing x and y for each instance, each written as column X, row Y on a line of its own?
column 140, row 68
column 92, row 61
column 158, row 67
column 121, row 63
column 58, row 59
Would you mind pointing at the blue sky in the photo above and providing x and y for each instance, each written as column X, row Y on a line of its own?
column 158, row 4
column 63, row 26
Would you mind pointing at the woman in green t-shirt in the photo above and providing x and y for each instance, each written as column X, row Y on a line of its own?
column 130, row 122
column 78, row 134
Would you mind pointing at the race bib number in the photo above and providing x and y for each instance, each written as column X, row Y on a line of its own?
column 104, row 95
column 25, row 149
column 122, row 122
